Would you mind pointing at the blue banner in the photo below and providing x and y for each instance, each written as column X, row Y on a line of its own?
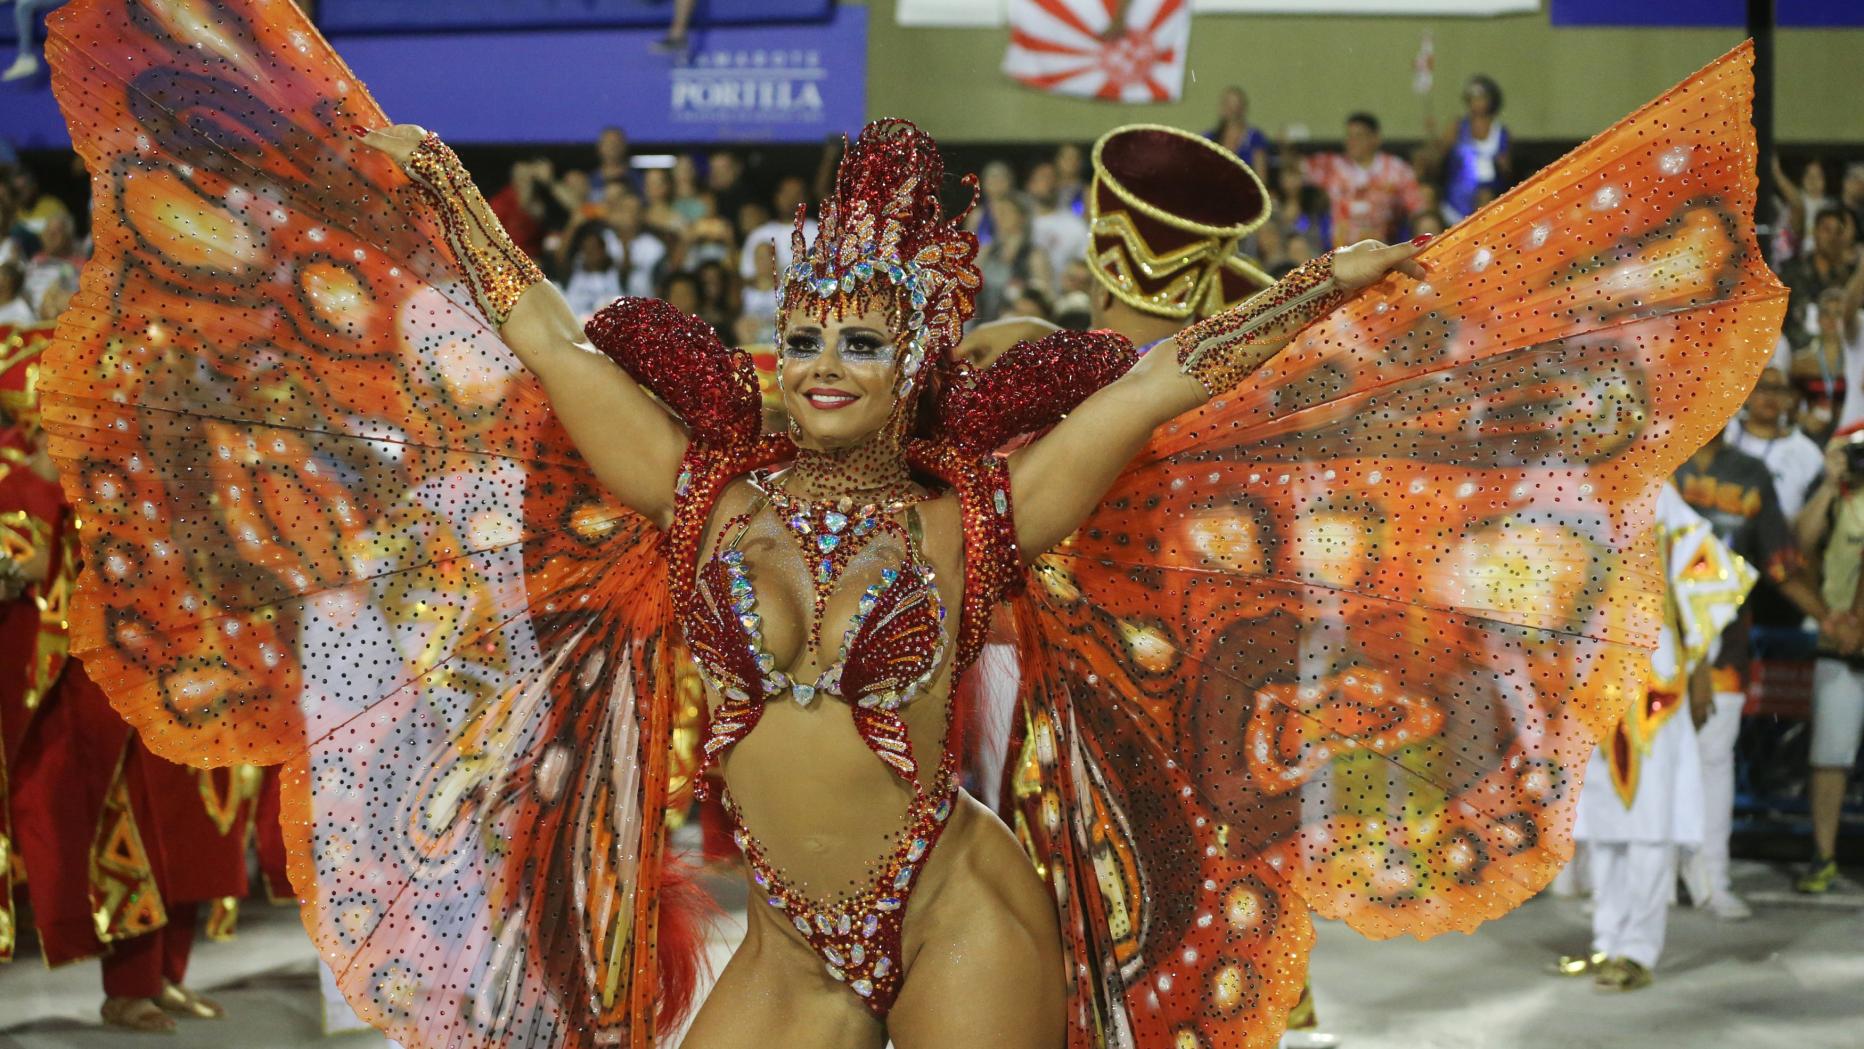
column 1719, row 13
column 374, row 16
column 766, row 84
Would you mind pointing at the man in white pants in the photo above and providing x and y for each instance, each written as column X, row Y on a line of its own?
column 1642, row 798
column 1735, row 493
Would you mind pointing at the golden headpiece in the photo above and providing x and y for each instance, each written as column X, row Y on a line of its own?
column 1166, row 209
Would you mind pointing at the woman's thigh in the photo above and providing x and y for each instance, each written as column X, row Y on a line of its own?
column 996, row 980
column 773, row 994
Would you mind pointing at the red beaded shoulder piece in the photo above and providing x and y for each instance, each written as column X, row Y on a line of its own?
column 679, row 358
column 993, row 567
column 704, row 472
column 1029, row 388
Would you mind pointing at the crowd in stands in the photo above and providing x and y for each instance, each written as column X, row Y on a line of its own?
column 710, row 234
column 706, row 231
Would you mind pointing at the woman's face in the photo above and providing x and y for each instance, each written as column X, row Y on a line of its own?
column 658, row 185
column 1476, row 97
column 683, row 295
column 838, row 376
column 1814, row 182
column 593, row 254
column 1289, row 178
column 685, row 173
column 1008, row 216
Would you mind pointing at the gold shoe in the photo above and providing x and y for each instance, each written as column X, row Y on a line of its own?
column 1622, row 974
column 1579, row 964
column 178, row 999
column 142, row 1015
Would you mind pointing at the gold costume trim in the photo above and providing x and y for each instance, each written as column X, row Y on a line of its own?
column 1197, row 291
column 497, row 271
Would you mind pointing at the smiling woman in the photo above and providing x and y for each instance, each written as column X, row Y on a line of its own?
column 420, row 535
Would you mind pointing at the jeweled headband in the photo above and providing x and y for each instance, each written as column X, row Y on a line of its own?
column 884, row 240
column 1166, row 209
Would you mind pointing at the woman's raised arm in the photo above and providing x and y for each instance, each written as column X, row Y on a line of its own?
column 630, row 441
column 1058, row 480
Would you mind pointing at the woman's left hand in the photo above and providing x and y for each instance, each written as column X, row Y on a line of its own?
column 1367, row 262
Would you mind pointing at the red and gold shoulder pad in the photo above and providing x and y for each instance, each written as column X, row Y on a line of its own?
column 1029, row 388
column 679, row 358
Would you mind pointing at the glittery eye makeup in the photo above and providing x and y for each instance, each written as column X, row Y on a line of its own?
column 856, row 345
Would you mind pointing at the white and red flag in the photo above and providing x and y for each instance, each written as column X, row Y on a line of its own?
column 1115, row 50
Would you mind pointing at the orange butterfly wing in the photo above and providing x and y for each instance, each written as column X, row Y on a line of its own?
column 1344, row 638
column 331, row 523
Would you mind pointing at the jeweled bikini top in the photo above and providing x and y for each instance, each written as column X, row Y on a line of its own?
column 892, row 648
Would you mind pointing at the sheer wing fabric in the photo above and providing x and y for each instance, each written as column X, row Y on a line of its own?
column 331, row 524
column 1342, row 640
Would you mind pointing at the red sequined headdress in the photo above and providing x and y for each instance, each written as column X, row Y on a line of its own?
column 885, row 240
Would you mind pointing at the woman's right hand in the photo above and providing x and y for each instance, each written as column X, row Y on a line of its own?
column 399, row 142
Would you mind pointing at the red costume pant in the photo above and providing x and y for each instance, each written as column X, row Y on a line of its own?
column 85, row 856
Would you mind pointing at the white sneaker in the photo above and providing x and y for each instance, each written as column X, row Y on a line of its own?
column 1308, row 1039
column 1728, row 907
column 22, row 67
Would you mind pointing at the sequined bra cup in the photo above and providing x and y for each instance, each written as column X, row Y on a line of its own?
column 890, row 651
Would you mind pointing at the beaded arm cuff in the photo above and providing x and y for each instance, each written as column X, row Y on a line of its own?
column 496, row 270
column 1221, row 351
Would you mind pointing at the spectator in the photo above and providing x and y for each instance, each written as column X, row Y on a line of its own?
column 1010, row 263
column 1371, row 192
column 1765, row 431
column 591, row 277
column 520, row 206
column 1056, row 229
column 1300, row 248
column 791, row 194
column 1076, row 288
column 614, row 164
column 1032, row 303
column 1800, row 203
column 1234, row 132
column 1851, row 195
column 1300, row 207
column 32, row 207
column 1476, row 152
column 1071, row 175
column 718, row 297
column 657, row 198
column 642, row 254
column 1831, row 531
column 681, row 291
column 14, row 309
column 25, row 19
column 689, row 198
column 708, row 240
column 57, row 263
column 997, row 181
column 54, row 301
column 1735, row 493
column 573, row 196
column 1828, row 372
column 757, row 300
column 1425, row 223
column 15, row 243
column 725, row 180
column 1832, row 263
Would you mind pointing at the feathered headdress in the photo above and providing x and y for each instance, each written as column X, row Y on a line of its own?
column 885, row 241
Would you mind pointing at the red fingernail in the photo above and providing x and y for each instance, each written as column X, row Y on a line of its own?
column 1420, row 240
column 358, row 130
